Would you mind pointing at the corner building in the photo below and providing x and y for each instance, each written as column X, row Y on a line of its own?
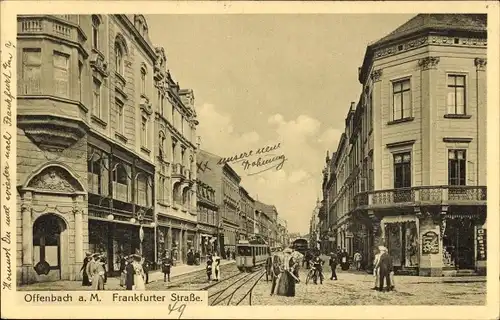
column 410, row 169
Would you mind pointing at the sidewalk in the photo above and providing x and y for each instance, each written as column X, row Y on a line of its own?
column 113, row 283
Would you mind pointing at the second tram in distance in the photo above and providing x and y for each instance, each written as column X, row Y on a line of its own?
column 250, row 254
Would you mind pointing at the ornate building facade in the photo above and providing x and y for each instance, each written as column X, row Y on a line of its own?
column 208, row 218
column 85, row 126
column 247, row 212
column 410, row 170
column 175, row 149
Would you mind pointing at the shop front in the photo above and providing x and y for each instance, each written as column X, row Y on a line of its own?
column 117, row 239
column 401, row 239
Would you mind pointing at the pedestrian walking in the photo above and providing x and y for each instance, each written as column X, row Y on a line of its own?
column 384, row 269
column 145, row 267
column 333, row 265
column 99, row 272
column 376, row 273
column 139, row 275
column 216, row 268
column 123, row 273
column 357, row 260
column 166, row 265
column 85, row 276
column 90, row 268
column 209, row 267
column 318, row 267
column 130, row 273
column 228, row 254
column 344, row 260
column 275, row 272
column 287, row 281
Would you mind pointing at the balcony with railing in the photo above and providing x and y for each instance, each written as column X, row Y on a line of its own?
column 61, row 26
column 422, row 195
column 178, row 171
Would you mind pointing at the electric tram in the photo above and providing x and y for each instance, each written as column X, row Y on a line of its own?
column 250, row 254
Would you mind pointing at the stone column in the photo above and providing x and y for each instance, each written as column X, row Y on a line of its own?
column 77, row 210
column 27, row 238
column 428, row 87
column 481, row 115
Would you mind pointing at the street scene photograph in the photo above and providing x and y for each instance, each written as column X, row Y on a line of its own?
column 268, row 159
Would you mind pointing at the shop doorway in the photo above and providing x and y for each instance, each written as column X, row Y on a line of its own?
column 402, row 242
column 47, row 251
column 458, row 243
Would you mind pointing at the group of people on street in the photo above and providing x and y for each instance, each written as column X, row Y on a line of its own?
column 284, row 274
column 134, row 273
column 94, row 271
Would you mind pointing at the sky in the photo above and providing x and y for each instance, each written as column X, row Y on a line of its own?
column 260, row 80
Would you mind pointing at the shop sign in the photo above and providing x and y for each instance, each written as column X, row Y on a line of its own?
column 430, row 243
column 481, row 243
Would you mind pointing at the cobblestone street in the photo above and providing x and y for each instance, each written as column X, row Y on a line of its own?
column 355, row 289
column 352, row 288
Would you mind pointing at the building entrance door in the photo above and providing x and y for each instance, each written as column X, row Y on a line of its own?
column 458, row 243
column 47, row 246
column 402, row 243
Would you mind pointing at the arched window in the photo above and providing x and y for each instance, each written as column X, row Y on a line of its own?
column 119, row 59
column 143, row 80
column 96, row 23
column 161, row 145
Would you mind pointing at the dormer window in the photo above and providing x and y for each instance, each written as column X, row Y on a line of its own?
column 96, row 23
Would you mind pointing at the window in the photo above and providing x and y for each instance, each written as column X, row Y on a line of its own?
column 32, row 71
column 161, row 145
column 183, row 152
column 143, row 81
column 173, row 116
column 144, row 132
column 174, row 146
column 456, row 94
column 121, row 182
column 143, row 190
column 401, row 99
column 120, row 118
column 456, row 167
column 96, row 101
column 80, row 83
column 119, row 59
column 370, row 121
column 95, row 32
column 61, row 73
column 402, row 170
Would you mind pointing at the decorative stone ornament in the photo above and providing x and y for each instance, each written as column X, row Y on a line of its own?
column 55, row 179
column 428, row 63
column 480, row 64
column 376, row 75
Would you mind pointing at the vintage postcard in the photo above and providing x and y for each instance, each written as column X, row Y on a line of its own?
column 305, row 160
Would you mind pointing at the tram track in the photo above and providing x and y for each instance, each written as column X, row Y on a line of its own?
column 237, row 287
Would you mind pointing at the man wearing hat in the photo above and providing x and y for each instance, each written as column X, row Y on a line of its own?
column 86, row 280
column 130, row 272
column 384, row 266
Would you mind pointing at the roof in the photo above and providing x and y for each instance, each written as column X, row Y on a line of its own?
column 436, row 22
column 428, row 23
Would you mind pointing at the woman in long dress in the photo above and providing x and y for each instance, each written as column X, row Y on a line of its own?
column 99, row 272
column 286, row 285
column 139, row 276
